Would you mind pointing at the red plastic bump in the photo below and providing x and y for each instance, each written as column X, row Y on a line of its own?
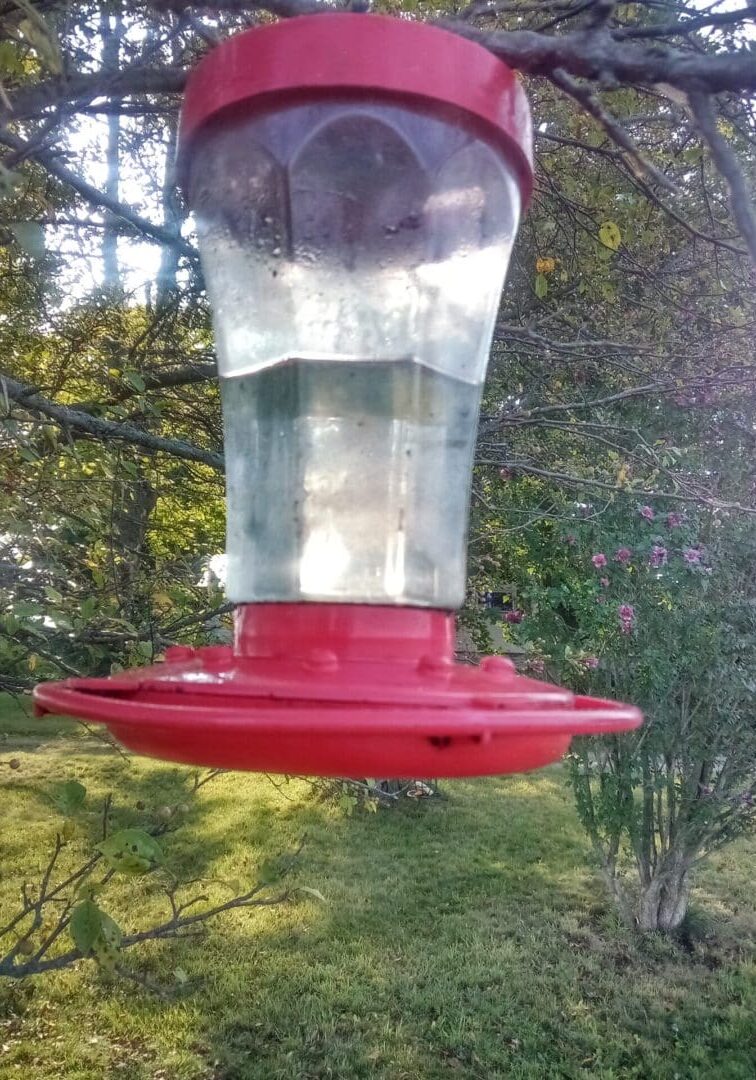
column 314, row 56
column 338, row 690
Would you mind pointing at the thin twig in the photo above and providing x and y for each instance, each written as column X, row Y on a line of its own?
column 585, row 97
column 726, row 161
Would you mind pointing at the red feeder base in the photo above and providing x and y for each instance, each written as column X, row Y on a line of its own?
column 338, row 690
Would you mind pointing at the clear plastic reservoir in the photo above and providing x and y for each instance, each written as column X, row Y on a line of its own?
column 354, row 256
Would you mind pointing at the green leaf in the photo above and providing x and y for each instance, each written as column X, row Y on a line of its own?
column 86, row 926
column 541, row 286
column 25, row 610
column 135, row 380
column 316, row 893
column 105, row 953
column 41, row 38
column 610, row 235
column 53, row 595
column 70, row 797
column 180, row 976
column 60, row 620
column 347, row 803
column 88, row 608
column 8, row 181
column 270, row 870
column 10, row 60
column 30, row 236
column 88, row 889
column 131, row 851
column 111, row 931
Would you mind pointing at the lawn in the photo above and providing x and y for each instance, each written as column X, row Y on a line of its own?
column 464, row 936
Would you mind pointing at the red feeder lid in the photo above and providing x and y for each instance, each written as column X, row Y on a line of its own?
column 338, row 690
column 340, row 54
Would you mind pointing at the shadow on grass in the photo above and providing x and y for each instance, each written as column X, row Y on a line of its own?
column 458, row 936
column 20, row 729
column 434, row 911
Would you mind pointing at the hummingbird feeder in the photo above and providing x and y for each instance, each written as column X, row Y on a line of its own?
column 357, row 183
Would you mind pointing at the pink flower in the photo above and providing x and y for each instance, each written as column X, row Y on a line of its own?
column 692, row 556
column 623, row 555
column 675, row 519
column 590, row 663
column 647, row 512
column 627, row 618
column 599, row 560
column 604, row 583
column 505, row 474
column 658, row 556
column 514, row 616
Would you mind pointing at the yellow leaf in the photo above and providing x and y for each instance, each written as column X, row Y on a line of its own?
column 545, row 266
column 610, row 235
column 32, row 661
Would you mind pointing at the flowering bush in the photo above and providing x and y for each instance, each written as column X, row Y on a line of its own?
column 673, row 630
column 658, row 556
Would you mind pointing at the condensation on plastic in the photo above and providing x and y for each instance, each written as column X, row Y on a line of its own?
column 349, row 232
column 354, row 256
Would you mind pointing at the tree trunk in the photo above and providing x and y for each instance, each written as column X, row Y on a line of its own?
column 663, row 903
column 173, row 217
column 133, row 503
column 112, row 32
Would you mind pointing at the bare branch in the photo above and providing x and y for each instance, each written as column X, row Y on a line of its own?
column 689, row 26
column 175, row 926
column 598, row 58
column 638, row 164
column 604, row 485
column 96, row 197
column 727, row 163
column 282, row 8
column 68, row 417
column 32, row 99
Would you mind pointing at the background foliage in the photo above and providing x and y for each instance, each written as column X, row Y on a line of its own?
column 622, row 377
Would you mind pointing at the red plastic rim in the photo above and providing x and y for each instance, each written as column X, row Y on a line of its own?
column 338, row 690
column 317, row 55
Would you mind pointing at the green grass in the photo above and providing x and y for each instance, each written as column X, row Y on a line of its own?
column 19, row 728
column 461, row 937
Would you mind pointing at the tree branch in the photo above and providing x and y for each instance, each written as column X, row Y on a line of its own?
column 585, row 97
column 96, row 197
column 604, row 485
column 282, row 8
column 678, row 29
column 68, row 417
column 598, row 58
column 727, row 163
column 31, row 99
